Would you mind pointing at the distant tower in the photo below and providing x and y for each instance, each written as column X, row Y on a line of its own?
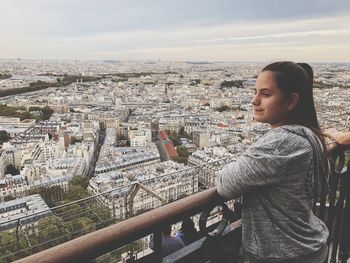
column 166, row 90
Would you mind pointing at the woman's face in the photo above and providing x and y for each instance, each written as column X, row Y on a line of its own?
column 269, row 103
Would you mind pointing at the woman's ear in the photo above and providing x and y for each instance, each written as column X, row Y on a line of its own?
column 292, row 101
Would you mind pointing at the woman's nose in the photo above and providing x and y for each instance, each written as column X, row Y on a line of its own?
column 255, row 100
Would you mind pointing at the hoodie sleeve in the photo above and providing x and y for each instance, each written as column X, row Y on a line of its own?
column 265, row 163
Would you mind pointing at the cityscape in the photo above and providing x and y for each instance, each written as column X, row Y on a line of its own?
column 117, row 118
column 117, row 127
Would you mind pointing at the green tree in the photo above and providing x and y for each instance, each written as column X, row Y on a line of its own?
column 100, row 215
column 184, row 134
column 51, row 232
column 14, row 112
column 231, row 83
column 175, row 138
column 35, row 108
column 47, row 112
column 52, row 195
column 9, row 198
column 25, row 115
column 10, row 245
column 5, row 76
column 222, row 108
column 80, row 180
column 81, row 226
column 4, row 137
column 68, row 212
column 182, row 151
column 10, row 169
column 75, row 192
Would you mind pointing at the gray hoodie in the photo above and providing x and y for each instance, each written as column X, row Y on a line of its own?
column 279, row 177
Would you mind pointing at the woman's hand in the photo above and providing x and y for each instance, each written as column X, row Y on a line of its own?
column 341, row 138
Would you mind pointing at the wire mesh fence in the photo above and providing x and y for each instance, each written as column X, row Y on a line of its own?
column 38, row 231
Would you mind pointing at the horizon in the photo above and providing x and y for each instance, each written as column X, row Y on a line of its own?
column 161, row 60
column 225, row 30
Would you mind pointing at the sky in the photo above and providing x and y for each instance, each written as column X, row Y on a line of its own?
column 177, row 30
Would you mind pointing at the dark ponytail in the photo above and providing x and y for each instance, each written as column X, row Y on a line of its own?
column 308, row 69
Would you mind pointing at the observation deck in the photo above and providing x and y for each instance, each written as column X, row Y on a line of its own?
column 120, row 241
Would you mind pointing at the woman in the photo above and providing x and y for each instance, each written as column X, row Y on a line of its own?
column 283, row 173
column 188, row 233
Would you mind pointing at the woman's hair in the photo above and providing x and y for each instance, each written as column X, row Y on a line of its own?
column 187, row 225
column 298, row 78
column 189, row 230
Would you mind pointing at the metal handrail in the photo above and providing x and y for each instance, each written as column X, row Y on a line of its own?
column 102, row 241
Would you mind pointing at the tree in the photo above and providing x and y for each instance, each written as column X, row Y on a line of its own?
column 68, row 212
column 34, row 108
column 47, row 112
column 81, row 226
column 175, row 138
column 184, row 134
column 10, row 169
column 223, row 108
column 25, row 115
column 182, row 151
column 51, row 229
column 231, row 83
column 5, row 76
column 9, row 246
column 75, row 192
column 98, row 213
column 14, row 111
column 52, row 195
column 4, row 137
column 9, row 198
column 80, row 180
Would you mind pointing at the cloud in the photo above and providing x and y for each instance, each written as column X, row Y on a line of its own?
column 211, row 30
column 85, row 17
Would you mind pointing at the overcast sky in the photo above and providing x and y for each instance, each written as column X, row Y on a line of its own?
column 205, row 30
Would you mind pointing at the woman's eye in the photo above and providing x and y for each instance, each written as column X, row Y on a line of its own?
column 266, row 94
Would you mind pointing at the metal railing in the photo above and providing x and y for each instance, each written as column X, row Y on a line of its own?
column 90, row 246
column 334, row 209
column 31, row 233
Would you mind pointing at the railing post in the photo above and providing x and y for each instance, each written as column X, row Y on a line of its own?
column 157, row 246
column 344, row 245
column 17, row 238
column 113, row 208
column 126, row 207
column 193, row 183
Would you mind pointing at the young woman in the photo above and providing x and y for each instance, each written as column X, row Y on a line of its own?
column 283, row 173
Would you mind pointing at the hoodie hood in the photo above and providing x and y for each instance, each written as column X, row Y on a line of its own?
column 319, row 159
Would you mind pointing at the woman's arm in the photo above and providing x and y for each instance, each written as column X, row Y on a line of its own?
column 342, row 138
